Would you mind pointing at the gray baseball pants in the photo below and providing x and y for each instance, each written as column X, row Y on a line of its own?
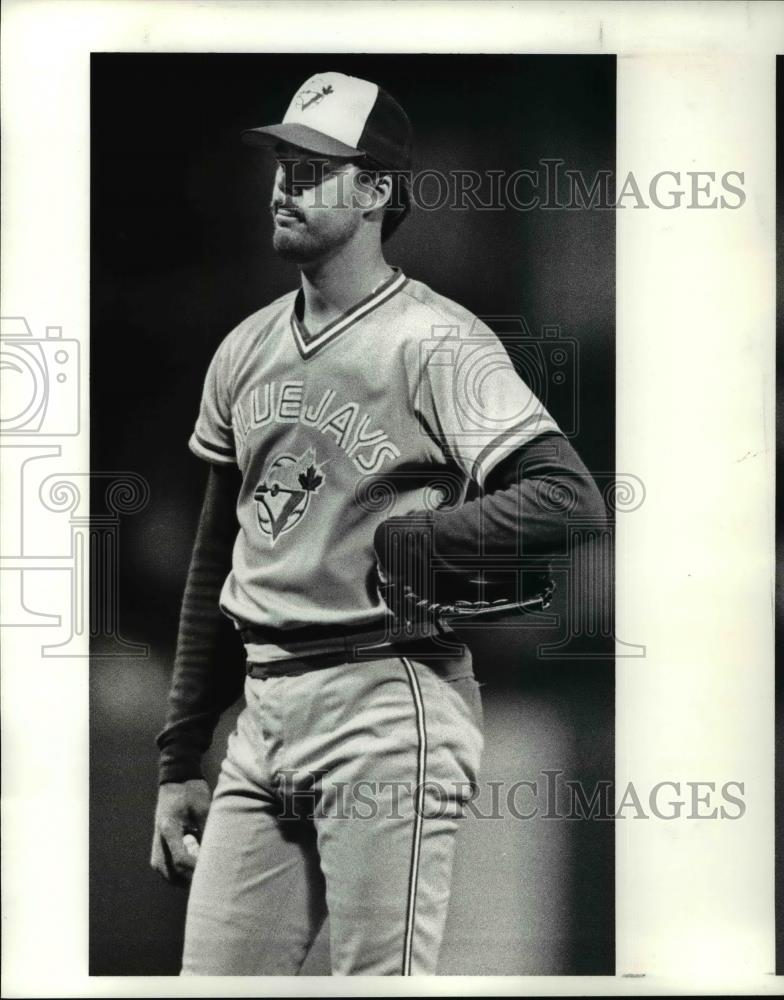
column 341, row 793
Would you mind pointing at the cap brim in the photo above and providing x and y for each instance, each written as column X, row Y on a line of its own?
column 300, row 136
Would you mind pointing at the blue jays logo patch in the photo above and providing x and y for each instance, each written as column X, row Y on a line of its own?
column 283, row 495
column 306, row 98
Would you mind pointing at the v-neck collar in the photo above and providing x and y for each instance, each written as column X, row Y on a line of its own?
column 309, row 345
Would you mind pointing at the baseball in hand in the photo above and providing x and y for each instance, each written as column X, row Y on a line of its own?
column 191, row 845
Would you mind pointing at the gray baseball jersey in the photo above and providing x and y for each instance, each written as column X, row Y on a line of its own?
column 393, row 407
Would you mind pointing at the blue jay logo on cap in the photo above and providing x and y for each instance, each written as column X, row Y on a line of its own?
column 316, row 96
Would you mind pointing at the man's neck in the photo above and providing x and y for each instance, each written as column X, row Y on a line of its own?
column 331, row 287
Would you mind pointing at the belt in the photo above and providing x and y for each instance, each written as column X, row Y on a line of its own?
column 308, row 634
column 338, row 646
column 329, row 637
column 294, row 665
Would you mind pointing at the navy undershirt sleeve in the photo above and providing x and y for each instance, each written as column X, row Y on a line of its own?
column 525, row 506
column 200, row 691
column 530, row 495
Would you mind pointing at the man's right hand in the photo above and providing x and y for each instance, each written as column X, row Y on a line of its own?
column 179, row 821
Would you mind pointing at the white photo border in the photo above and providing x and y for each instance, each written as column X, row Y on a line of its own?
column 695, row 419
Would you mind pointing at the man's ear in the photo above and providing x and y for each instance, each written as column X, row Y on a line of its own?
column 374, row 190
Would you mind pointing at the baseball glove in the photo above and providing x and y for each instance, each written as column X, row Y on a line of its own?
column 421, row 587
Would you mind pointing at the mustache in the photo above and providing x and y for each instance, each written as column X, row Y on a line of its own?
column 276, row 205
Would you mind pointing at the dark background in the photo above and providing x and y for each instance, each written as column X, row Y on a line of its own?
column 180, row 254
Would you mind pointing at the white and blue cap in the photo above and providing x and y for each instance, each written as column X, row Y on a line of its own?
column 342, row 116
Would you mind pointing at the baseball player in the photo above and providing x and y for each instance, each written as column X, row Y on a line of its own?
column 343, row 436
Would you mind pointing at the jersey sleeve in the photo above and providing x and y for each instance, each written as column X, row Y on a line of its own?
column 212, row 438
column 478, row 407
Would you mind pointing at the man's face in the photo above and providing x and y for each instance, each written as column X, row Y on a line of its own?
column 317, row 204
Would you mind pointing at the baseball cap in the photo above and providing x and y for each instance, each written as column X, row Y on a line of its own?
column 342, row 116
